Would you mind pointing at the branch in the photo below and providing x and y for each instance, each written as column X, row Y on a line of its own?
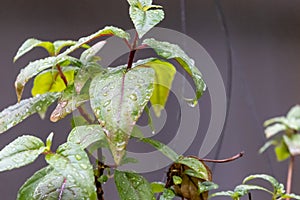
column 220, row 161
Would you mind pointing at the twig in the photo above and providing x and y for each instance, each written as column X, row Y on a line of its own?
column 220, row 161
column 85, row 115
column 290, row 176
column 61, row 74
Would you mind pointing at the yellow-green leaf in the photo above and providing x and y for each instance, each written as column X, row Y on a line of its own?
column 51, row 81
column 164, row 75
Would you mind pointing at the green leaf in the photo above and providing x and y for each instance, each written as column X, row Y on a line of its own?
column 267, row 145
column 72, row 162
column 276, row 185
column 132, row 186
column 172, row 51
column 164, row 149
column 294, row 196
column 177, row 180
column 293, row 144
column 48, row 184
column 118, row 100
column 142, row 3
column 68, row 102
column 60, row 44
column 206, row 186
column 150, row 121
column 31, row 43
column 20, row 152
column 294, row 112
column 223, row 193
column 14, row 114
column 145, row 19
column 107, row 31
column 157, row 187
column 103, row 179
column 86, row 135
column 49, row 141
column 168, row 194
column 280, row 120
column 51, row 81
column 34, row 68
column 242, row 190
column 89, row 54
column 87, row 72
column 195, row 165
column 164, row 75
column 282, row 152
column 274, row 129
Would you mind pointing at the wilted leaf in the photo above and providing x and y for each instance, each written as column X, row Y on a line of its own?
column 164, row 75
column 172, row 51
column 118, row 100
column 71, row 161
column 86, row 135
column 31, row 43
column 51, row 81
column 13, row 115
column 189, row 187
column 145, row 19
column 132, row 186
column 20, row 152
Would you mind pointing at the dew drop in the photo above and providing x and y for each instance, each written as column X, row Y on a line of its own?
column 78, row 157
column 83, row 166
column 192, row 103
column 107, row 103
column 141, row 81
column 102, row 123
column 133, row 97
column 120, row 146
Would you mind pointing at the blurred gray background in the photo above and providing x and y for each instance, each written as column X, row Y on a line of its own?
column 265, row 40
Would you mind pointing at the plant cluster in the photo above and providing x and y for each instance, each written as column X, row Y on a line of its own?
column 117, row 96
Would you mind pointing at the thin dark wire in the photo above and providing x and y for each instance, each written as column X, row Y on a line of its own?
column 223, row 24
column 183, row 30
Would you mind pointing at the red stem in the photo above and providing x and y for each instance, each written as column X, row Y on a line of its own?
column 220, row 161
column 85, row 115
column 290, row 176
column 61, row 74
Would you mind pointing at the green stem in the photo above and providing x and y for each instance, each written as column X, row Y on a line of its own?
column 290, row 176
